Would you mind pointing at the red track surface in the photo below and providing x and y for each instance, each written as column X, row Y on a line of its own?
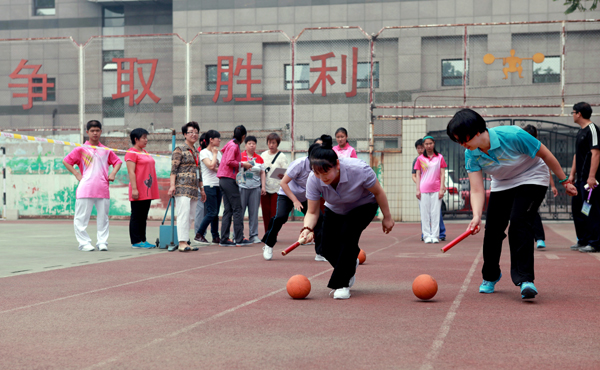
column 227, row 308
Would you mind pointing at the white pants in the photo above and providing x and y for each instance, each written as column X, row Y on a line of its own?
column 83, row 210
column 430, row 205
column 185, row 208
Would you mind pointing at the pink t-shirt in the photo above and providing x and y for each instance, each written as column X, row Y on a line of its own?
column 145, row 175
column 347, row 152
column 93, row 164
column 430, row 172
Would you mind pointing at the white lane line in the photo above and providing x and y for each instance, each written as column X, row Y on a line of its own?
column 597, row 255
column 438, row 343
column 214, row 317
column 551, row 256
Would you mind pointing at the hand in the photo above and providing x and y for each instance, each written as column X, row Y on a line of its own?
column 247, row 165
column 214, row 150
column 307, row 235
column 202, row 196
column 592, row 183
column 78, row 176
column 475, row 225
column 135, row 194
column 111, row 177
column 263, row 191
column 554, row 191
column 419, row 194
column 571, row 190
column 387, row 224
column 441, row 194
column 298, row 206
column 171, row 191
column 280, row 176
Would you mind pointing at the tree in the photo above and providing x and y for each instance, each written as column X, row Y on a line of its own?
column 578, row 5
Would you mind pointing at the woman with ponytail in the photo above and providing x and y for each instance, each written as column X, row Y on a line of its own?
column 430, row 167
column 352, row 195
column 292, row 195
column 232, row 202
column 210, row 157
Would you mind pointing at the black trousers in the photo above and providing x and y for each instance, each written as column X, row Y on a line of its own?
column 137, row 221
column 538, row 228
column 284, row 207
column 341, row 234
column 587, row 227
column 232, row 206
column 518, row 206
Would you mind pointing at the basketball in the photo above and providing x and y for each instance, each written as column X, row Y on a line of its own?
column 538, row 57
column 424, row 287
column 362, row 257
column 298, row 286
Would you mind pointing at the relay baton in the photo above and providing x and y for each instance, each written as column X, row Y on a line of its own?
column 457, row 240
column 293, row 246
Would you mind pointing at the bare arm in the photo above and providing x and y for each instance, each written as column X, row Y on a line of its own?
column 387, row 223
column 442, row 183
column 414, row 177
column 72, row 169
column 418, row 182
column 573, row 170
column 263, row 183
column 131, row 172
column 553, row 164
column 113, row 174
column 477, row 199
column 286, row 189
column 310, row 220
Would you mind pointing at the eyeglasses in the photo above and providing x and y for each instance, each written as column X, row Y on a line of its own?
column 192, row 132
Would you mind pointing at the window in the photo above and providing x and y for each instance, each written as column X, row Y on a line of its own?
column 113, row 16
column 50, row 91
column 547, row 71
column 107, row 57
column 390, row 144
column 452, row 72
column 211, row 77
column 113, row 108
column 362, row 74
column 301, row 77
column 44, row 7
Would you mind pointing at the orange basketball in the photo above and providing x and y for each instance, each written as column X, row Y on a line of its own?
column 362, row 257
column 298, row 286
column 424, row 287
column 538, row 57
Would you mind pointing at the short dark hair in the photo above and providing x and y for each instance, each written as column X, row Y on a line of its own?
column 137, row 134
column 531, row 130
column 238, row 133
column 419, row 143
column 584, row 108
column 465, row 125
column 93, row 123
column 273, row 136
column 323, row 158
column 192, row 124
column 250, row 138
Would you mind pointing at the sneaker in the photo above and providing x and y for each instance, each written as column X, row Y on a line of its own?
column 528, row 290
column 87, row 248
column 255, row 240
column 267, row 252
column 320, row 258
column 149, row 245
column 103, row 247
column 200, row 239
column 435, row 240
column 541, row 244
column 227, row 243
column 244, row 243
column 428, row 241
column 342, row 293
column 139, row 245
column 216, row 240
column 442, row 238
column 488, row 286
column 576, row 246
column 588, row 249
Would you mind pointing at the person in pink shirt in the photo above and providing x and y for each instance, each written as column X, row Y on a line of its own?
column 92, row 190
column 430, row 189
column 143, row 187
column 343, row 149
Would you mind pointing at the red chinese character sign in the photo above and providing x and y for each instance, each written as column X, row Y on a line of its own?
column 324, row 77
column 30, row 85
column 131, row 91
column 224, row 66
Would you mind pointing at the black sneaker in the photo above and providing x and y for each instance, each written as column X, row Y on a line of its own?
column 216, row 240
column 244, row 243
column 227, row 243
column 443, row 238
column 200, row 239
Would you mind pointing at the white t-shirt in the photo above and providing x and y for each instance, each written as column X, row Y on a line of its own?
column 209, row 177
column 272, row 185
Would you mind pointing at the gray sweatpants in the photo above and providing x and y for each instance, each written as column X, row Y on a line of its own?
column 251, row 199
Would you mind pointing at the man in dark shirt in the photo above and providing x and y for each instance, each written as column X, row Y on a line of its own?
column 585, row 170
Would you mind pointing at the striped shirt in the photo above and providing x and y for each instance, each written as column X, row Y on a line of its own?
column 587, row 139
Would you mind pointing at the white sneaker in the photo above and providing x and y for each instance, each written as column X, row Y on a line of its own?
column 435, row 240
column 87, row 248
column 342, row 293
column 103, row 247
column 428, row 241
column 320, row 258
column 267, row 252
